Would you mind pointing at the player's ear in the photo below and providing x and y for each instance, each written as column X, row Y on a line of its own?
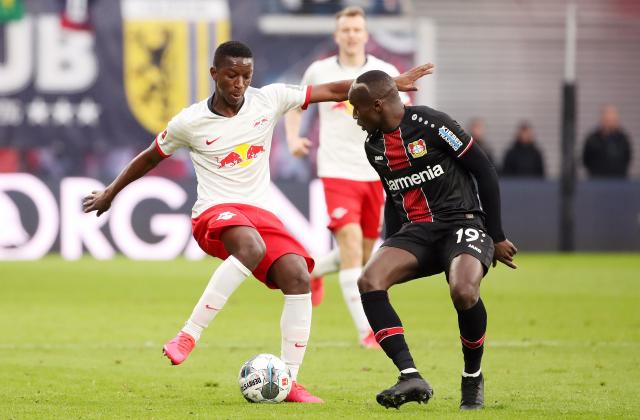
column 377, row 105
column 214, row 73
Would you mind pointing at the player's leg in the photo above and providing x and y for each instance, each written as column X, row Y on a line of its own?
column 465, row 275
column 246, row 249
column 242, row 249
column 344, row 200
column 473, row 251
column 327, row 263
column 291, row 275
column 388, row 266
column 349, row 238
column 367, row 248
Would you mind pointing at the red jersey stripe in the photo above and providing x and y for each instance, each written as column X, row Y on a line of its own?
column 395, row 151
column 416, row 205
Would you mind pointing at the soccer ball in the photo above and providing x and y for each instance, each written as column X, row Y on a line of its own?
column 264, row 379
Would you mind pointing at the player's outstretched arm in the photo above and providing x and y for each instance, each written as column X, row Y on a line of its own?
column 338, row 91
column 100, row 201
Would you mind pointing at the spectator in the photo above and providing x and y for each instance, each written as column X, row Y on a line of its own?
column 523, row 159
column 607, row 150
column 478, row 130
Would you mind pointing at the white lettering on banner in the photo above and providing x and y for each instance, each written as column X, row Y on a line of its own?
column 79, row 228
column 67, row 62
column 16, row 71
column 48, row 221
column 12, row 233
column 81, row 231
column 175, row 228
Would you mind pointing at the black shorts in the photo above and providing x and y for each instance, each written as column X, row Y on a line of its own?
column 436, row 244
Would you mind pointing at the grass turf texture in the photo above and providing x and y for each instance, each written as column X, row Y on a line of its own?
column 84, row 339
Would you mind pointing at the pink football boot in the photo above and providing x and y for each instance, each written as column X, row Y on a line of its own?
column 178, row 348
column 369, row 342
column 299, row 394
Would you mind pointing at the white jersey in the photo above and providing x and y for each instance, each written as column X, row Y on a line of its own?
column 341, row 152
column 231, row 155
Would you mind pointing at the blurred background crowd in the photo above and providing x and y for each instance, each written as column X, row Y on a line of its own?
column 86, row 84
column 518, row 125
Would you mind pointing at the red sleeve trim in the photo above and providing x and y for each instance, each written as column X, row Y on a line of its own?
column 159, row 149
column 465, row 149
column 306, row 98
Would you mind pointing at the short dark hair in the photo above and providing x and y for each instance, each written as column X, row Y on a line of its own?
column 379, row 84
column 374, row 76
column 231, row 49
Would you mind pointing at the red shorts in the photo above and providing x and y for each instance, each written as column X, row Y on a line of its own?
column 209, row 225
column 358, row 202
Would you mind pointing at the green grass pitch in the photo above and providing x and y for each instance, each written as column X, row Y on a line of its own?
column 83, row 340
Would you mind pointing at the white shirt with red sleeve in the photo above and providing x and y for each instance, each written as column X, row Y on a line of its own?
column 341, row 152
column 231, row 155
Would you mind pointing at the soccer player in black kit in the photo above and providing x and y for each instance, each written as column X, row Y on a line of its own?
column 436, row 220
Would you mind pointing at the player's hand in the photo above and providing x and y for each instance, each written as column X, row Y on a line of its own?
column 299, row 147
column 406, row 82
column 504, row 252
column 99, row 201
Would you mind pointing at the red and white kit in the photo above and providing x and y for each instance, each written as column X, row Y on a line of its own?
column 231, row 161
column 341, row 153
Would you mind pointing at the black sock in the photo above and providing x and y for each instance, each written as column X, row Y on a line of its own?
column 473, row 325
column 387, row 327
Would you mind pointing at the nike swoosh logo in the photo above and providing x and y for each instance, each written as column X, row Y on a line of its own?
column 211, row 307
column 300, row 345
column 212, row 141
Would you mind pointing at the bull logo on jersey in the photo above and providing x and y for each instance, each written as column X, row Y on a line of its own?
column 417, row 148
column 261, row 123
column 167, row 58
column 242, row 155
column 344, row 106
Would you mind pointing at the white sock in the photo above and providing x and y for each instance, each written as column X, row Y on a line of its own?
column 471, row 375
column 328, row 263
column 295, row 325
column 224, row 281
column 409, row 370
column 349, row 284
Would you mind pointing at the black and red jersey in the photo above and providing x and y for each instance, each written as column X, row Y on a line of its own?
column 419, row 166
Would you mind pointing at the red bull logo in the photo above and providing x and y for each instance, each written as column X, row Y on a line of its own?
column 261, row 123
column 231, row 160
column 242, row 155
column 417, row 148
column 344, row 106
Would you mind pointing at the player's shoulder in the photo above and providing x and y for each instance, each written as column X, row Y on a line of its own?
column 427, row 113
column 191, row 113
column 270, row 90
column 325, row 63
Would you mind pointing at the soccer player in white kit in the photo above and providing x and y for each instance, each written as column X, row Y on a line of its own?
column 353, row 192
column 229, row 139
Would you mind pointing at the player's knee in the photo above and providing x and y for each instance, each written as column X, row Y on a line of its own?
column 297, row 283
column 464, row 296
column 251, row 253
column 369, row 282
